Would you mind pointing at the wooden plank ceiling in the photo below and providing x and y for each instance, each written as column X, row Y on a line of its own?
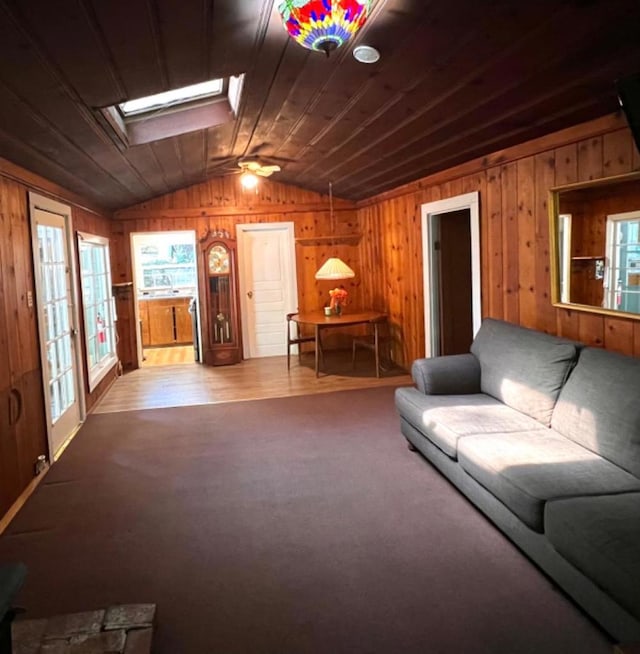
column 457, row 80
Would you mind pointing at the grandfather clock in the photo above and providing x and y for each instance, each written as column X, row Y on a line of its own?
column 221, row 335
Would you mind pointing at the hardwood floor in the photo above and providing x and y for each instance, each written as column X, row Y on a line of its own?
column 189, row 384
column 167, row 356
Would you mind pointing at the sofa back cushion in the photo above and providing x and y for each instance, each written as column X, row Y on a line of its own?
column 599, row 407
column 523, row 368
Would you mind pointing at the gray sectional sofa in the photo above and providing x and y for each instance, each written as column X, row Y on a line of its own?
column 543, row 435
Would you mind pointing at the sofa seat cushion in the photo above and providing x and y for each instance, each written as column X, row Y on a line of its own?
column 522, row 367
column 444, row 419
column 600, row 536
column 526, row 470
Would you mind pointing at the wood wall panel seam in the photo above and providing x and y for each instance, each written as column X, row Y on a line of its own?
column 544, row 179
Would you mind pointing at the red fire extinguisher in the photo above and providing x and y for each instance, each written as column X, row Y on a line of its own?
column 102, row 337
column 619, row 293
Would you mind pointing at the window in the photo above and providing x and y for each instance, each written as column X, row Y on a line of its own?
column 564, row 254
column 622, row 280
column 172, row 98
column 98, row 305
column 165, row 263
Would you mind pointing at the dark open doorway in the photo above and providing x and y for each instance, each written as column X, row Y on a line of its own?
column 453, row 250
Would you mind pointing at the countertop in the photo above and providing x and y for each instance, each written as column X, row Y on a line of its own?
column 164, row 295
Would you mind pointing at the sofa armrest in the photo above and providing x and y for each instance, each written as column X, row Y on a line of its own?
column 11, row 580
column 456, row 374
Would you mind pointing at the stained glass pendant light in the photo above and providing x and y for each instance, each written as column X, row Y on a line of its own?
column 323, row 25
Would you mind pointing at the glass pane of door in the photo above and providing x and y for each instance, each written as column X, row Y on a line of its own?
column 98, row 304
column 56, row 314
column 220, row 295
column 58, row 337
column 623, row 250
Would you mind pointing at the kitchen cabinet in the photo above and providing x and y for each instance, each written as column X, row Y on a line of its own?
column 161, row 327
column 165, row 321
column 183, row 322
column 143, row 317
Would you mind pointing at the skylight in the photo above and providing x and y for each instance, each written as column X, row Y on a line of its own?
column 164, row 115
column 175, row 97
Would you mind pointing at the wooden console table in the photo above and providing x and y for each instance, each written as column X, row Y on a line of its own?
column 320, row 321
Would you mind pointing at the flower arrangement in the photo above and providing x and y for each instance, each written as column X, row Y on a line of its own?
column 338, row 299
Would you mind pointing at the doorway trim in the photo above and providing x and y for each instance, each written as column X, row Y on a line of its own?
column 291, row 288
column 430, row 212
column 45, row 204
column 133, row 237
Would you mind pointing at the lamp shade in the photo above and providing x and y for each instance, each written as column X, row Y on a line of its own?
column 334, row 268
column 323, row 25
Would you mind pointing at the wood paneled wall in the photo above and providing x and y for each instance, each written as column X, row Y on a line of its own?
column 380, row 238
column 22, row 413
column 221, row 203
column 513, row 186
column 23, row 439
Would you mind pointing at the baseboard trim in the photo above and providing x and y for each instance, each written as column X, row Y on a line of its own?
column 68, row 440
column 6, row 519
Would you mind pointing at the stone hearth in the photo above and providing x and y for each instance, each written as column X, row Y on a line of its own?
column 121, row 629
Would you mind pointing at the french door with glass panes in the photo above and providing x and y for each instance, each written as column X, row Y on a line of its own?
column 57, row 331
column 622, row 278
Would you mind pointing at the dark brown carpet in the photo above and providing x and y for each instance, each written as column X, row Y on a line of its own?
column 288, row 526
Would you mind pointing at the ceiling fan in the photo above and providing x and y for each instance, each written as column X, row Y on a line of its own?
column 250, row 170
column 255, row 167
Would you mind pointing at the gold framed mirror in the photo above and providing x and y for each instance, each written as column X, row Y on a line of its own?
column 595, row 246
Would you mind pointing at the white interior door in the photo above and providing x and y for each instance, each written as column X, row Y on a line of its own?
column 57, row 320
column 268, row 289
column 430, row 212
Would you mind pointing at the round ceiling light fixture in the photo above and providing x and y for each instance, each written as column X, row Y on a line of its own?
column 248, row 180
column 366, row 54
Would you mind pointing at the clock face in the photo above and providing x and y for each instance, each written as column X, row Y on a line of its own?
column 218, row 260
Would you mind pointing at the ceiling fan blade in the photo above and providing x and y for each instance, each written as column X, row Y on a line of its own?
column 265, row 171
column 255, row 167
column 249, row 165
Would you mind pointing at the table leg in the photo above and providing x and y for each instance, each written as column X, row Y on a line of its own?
column 317, row 350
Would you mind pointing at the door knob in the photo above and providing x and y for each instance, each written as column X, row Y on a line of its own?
column 250, row 294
